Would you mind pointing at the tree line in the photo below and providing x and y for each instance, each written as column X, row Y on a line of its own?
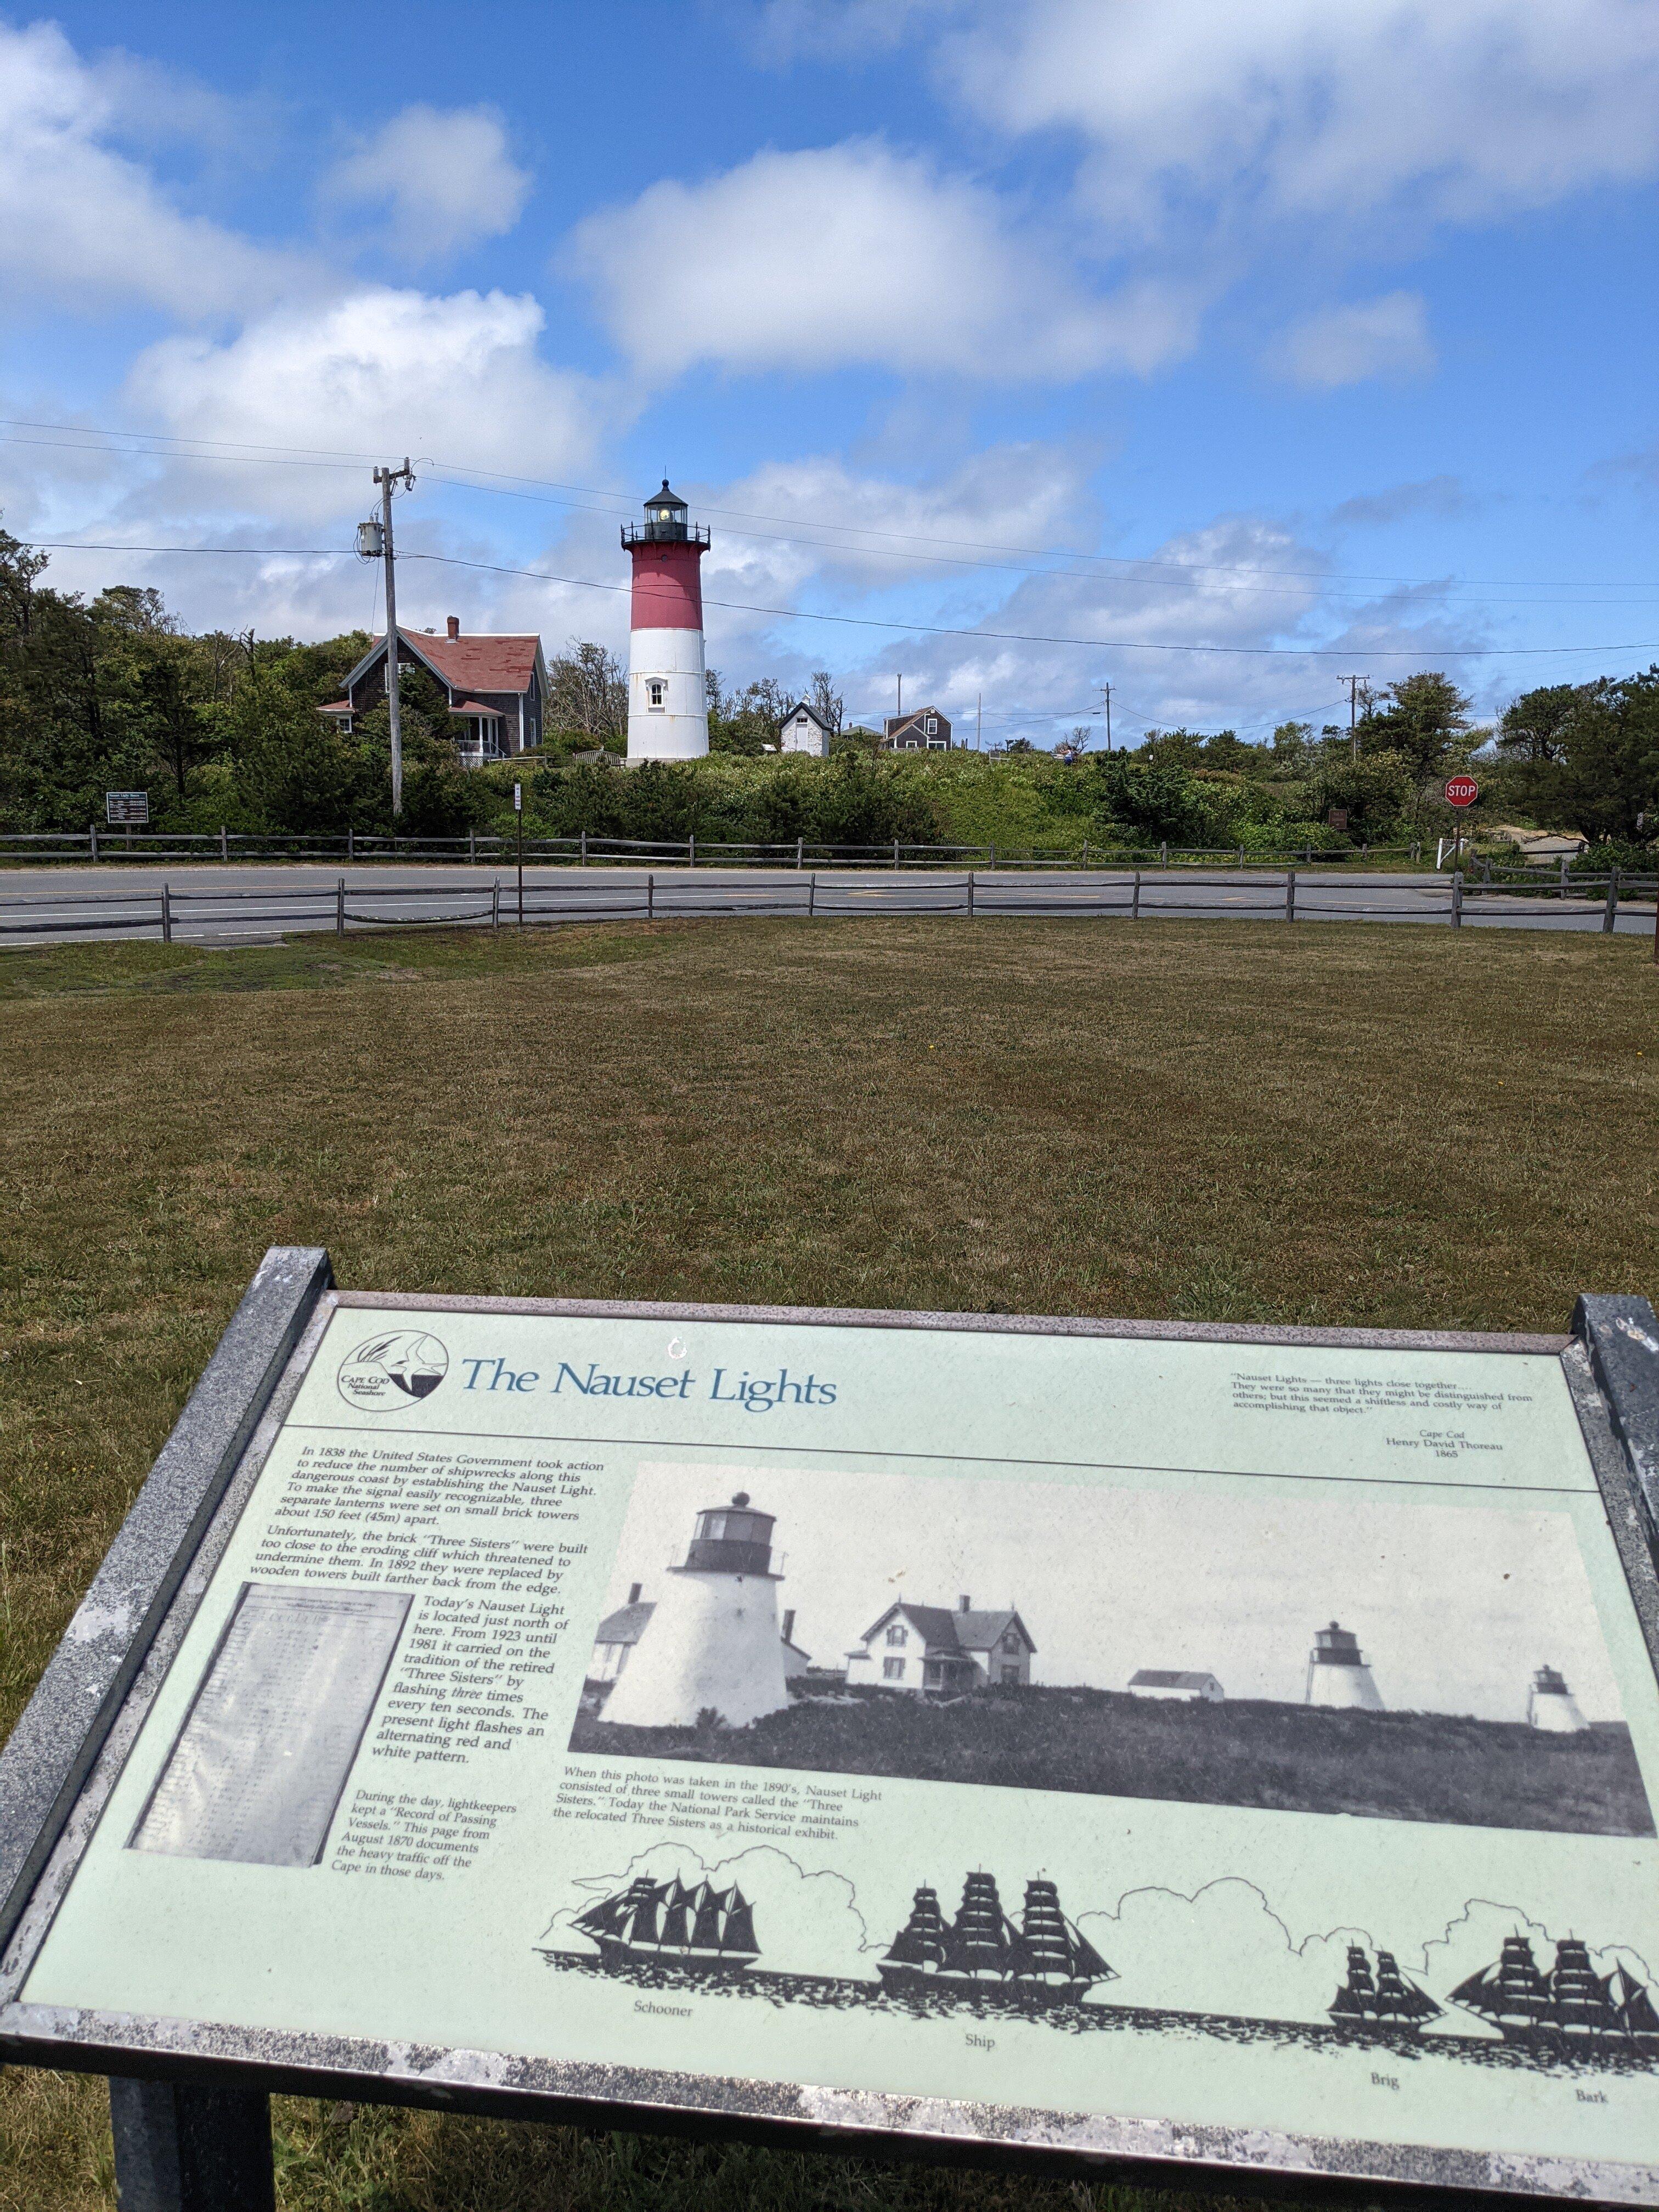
column 113, row 693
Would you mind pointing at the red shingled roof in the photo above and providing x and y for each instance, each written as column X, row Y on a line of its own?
column 477, row 663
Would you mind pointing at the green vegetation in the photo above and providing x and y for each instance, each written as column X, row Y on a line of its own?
column 1389, row 1766
column 1210, row 1121
column 224, row 732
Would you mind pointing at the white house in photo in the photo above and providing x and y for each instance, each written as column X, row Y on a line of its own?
column 1167, row 1682
column 929, row 1648
column 805, row 730
column 619, row 1631
column 1551, row 1706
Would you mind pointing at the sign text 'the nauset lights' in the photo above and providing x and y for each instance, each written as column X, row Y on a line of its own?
column 756, row 1394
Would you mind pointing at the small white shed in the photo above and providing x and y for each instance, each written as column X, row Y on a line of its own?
column 805, row 730
column 1169, row 1682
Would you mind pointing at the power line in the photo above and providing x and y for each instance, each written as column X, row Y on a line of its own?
column 874, row 621
column 230, row 452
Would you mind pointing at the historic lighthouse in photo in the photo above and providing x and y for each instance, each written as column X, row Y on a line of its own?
column 711, row 1643
column 667, row 701
column 1337, row 1673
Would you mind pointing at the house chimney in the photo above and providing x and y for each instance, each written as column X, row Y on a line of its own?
column 789, row 1626
column 633, row 1593
column 453, row 625
column 963, row 1605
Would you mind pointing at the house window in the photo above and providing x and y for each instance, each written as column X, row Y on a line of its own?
column 892, row 1669
column 932, row 725
column 1010, row 1674
column 1011, row 1642
column 896, row 1635
column 656, row 694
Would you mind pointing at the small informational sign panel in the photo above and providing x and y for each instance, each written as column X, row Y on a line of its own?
column 1183, row 1748
column 1461, row 791
column 1336, row 818
column 129, row 808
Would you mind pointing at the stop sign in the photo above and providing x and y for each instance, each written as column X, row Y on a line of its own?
column 1461, row 791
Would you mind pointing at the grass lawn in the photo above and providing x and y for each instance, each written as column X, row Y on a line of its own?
column 1209, row 1121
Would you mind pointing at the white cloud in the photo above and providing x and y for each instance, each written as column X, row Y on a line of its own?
column 444, row 176
column 855, row 254
column 1458, row 109
column 379, row 372
column 83, row 226
column 1384, row 337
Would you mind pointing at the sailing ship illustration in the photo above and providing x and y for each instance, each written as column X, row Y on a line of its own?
column 702, row 1930
column 1045, row 1960
column 1569, row 2008
column 1380, row 2003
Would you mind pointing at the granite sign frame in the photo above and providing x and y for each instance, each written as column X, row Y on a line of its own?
column 189, row 2084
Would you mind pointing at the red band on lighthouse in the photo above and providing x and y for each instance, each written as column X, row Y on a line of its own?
column 667, row 587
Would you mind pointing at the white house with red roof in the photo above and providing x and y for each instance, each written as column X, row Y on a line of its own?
column 495, row 684
column 921, row 1648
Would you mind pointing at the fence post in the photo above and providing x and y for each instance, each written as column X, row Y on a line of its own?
column 993, row 856
column 1164, row 854
column 1563, row 875
column 800, row 850
column 1289, row 894
column 472, row 848
column 896, row 851
column 351, row 844
column 1135, row 904
column 1609, row 913
column 1457, row 899
column 813, row 894
column 970, row 894
column 339, row 907
column 224, row 843
column 496, row 906
column 651, row 897
column 166, row 916
column 92, row 836
column 1241, row 856
column 691, row 847
column 584, row 848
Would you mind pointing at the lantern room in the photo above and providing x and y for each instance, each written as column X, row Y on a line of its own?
column 732, row 1539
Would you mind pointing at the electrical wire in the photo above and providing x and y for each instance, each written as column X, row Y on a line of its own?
column 874, row 621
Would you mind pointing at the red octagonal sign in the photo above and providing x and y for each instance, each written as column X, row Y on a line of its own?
column 1461, row 791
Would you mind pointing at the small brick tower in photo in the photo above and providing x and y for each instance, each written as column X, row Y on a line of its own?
column 1337, row 1673
column 711, row 1643
column 667, row 700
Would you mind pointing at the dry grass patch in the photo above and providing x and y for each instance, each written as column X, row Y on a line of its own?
column 1204, row 1120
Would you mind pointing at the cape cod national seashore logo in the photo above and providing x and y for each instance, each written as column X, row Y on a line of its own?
column 392, row 1369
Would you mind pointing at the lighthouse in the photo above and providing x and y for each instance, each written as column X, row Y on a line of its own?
column 711, row 1643
column 667, row 700
column 1552, row 1706
column 1338, row 1674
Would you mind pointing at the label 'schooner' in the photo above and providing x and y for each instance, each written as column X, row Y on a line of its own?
column 257, row 1768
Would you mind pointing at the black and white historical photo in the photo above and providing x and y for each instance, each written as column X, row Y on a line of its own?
column 1424, row 1661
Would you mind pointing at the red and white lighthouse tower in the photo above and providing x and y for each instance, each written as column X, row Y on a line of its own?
column 667, row 702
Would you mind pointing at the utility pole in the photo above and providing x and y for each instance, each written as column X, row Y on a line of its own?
column 1353, row 684
column 979, row 721
column 899, row 709
column 375, row 537
column 1107, row 689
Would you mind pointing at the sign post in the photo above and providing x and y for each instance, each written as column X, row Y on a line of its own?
column 1461, row 791
column 518, row 817
column 558, row 1710
column 127, row 810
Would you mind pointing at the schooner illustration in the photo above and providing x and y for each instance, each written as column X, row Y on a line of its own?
column 702, row 1930
column 1043, row 1961
column 1569, row 2009
column 1383, row 2003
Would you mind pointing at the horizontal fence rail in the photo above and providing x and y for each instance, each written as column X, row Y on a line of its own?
column 172, row 910
column 44, row 848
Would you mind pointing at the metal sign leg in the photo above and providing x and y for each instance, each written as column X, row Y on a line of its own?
column 182, row 2148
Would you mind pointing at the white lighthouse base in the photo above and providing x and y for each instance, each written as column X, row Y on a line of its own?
column 712, row 1644
column 1346, row 1688
column 678, row 727
column 1556, row 1712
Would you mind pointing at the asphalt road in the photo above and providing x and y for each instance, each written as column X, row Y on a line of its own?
column 251, row 903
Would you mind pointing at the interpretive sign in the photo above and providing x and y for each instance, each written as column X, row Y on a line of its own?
column 130, row 807
column 1207, row 1750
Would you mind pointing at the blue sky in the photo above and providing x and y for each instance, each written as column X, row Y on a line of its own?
column 1215, row 353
